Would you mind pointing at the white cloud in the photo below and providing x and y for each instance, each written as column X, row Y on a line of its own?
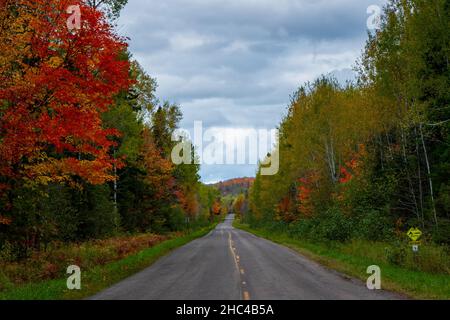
column 235, row 63
column 188, row 41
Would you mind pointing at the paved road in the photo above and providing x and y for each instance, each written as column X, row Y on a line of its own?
column 230, row 264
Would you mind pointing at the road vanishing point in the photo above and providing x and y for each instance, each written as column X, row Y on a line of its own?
column 231, row 264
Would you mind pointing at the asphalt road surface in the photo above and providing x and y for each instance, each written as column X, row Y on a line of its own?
column 231, row 264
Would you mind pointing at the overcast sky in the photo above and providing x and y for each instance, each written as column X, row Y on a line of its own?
column 234, row 63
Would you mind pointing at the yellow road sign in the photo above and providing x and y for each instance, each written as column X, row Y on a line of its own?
column 414, row 234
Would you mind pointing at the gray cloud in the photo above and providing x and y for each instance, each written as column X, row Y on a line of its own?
column 236, row 62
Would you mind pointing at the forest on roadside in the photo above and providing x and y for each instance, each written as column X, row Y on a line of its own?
column 84, row 143
column 86, row 175
column 371, row 159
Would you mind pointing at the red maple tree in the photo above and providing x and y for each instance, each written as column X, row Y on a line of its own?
column 55, row 83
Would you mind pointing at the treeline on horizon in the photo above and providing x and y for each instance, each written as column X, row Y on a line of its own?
column 85, row 145
column 371, row 159
column 234, row 187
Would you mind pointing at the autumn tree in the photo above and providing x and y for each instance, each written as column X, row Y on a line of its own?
column 55, row 92
column 84, row 143
column 55, row 86
column 363, row 157
column 406, row 64
column 239, row 206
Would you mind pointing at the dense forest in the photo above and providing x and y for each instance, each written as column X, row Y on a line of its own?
column 84, row 143
column 370, row 159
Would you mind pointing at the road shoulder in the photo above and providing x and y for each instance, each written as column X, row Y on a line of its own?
column 406, row 283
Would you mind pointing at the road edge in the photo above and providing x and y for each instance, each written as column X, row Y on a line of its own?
column 346, row 269
column 102, row 277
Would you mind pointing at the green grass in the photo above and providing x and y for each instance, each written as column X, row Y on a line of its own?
column 101, row 277
column 353, row 258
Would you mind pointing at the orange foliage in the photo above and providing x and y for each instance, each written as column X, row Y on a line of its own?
column 188, row 202
column 352, row 167
column 238, row 205
column 5, row 220
column 304, row 191
column 239, row 181
column 285, row 210
column 234, row 186
column 216, row 208
column 54, row 87
column 159, row 170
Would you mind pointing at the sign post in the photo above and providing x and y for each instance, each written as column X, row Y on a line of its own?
column 414, row 234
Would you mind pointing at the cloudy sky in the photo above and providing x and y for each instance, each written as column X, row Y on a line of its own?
column 234, row 63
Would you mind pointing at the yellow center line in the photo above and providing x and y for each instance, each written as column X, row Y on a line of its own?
column 232, row 251
column 245, row 293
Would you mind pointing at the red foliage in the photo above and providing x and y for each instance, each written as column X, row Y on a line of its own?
column 238, row 181
column 346, row 176
column 234, row 186
column 353, row 166
column 285, row 210
column 54, row 87
column 304, row 192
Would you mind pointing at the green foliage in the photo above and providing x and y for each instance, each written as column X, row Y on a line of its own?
column 176, row 219
column 111, row 8
column 149, row 194
column 423, row 277
column 373, row 225
column 335, row 226
column 164, row 122
column 441, row 234
column 131, row 191
column 97, row 215
column 41, row 215
column 123, row 118
column 371, row 160
column 396, row 254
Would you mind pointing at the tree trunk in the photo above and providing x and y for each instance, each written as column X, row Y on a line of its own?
column 329, row 149
column 115, row 181
column 419, row 173
column 430, row 181
column 408, row 176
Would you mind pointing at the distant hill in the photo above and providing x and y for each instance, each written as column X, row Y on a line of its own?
column 234, row 187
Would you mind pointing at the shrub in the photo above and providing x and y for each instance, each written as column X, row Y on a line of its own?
column 304, row 229
column 7, row 252
column 374, row 226
column 441, row 235
column 396, row 254
column 335, row 226
column 52, row 262
column 98, row 217
column 176, row 220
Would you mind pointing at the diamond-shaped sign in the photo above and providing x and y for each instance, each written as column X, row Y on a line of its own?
column 414, row 234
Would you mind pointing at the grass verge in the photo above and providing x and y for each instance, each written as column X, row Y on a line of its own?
column 341, row 257
column 100, row 277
